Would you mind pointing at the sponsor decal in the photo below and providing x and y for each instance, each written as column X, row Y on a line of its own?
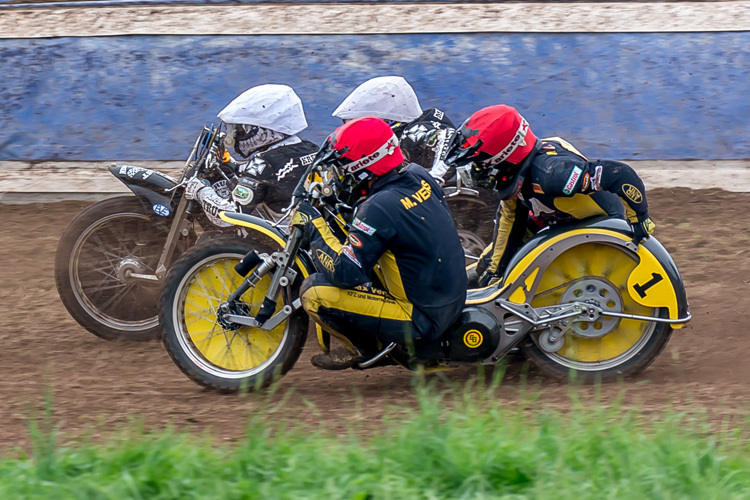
column 356, row 242
column 364, row 227
column 325, row 260
column 161, row 210
column 572, row 180
column 370, row 295
column 385, row 150
column 287, row 168
column 242, row 195
column 596, row 180
column 632, row 193
column 586, row 179
column 538, row 208
column 347, row 251
column 416, row 132
column 518, row 139
column 307, row 159
column 439, row 114
column 254, row 167
column 473, row 339
column 419, row 196
column 537, row 188
column 548, row 146
column 131, row 171
column 221, row 188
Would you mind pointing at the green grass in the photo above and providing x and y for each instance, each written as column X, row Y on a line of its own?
column 479, row 449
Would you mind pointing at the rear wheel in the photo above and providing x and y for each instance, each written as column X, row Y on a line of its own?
column 211, row 352
column 608, row 348
column 96, row 260
column 472, row 245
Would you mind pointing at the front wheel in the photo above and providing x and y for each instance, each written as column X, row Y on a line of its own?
column 211, row 352
column 608, row 348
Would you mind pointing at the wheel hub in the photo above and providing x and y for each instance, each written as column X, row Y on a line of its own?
column 600, row 293
column 129, row 266
column 231, row 308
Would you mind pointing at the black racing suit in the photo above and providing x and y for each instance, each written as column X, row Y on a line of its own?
column 562, row 185
column 272, row 175
column 405, row 228
column 268, row 177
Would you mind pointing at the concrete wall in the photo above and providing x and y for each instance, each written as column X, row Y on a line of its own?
column 619, row 95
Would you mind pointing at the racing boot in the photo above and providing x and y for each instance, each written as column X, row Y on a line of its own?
column 338, row 358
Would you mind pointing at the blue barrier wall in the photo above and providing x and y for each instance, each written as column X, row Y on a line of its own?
column 638, row 96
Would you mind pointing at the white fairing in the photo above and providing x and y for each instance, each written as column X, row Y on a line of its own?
column 275, row 107
column 385, row 97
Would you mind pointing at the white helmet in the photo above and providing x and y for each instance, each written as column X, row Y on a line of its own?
column 273, row 107
column 386, row 97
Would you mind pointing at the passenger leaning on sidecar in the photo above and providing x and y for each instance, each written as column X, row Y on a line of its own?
column 423, row 135
column 402, row 223
column 262, row 126
column 540, row 182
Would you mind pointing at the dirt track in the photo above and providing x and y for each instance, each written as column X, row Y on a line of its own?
column 100, row 385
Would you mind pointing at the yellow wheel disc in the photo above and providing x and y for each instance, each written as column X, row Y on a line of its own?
column 238, row 350
column 610, row 267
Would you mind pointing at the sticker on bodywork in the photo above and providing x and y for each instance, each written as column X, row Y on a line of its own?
column 161, row 210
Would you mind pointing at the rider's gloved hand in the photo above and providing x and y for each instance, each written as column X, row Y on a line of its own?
column 193, row 186
column 643, row 228
column 304, row 213
column 487, row 278
column 438, row 170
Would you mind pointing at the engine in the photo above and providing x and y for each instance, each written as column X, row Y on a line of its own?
column 474, row 337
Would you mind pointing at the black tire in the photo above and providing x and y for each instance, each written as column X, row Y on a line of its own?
column 605, row 349
column 473, row 215
column 633, row 366
column 199, row 353
column 97, row 251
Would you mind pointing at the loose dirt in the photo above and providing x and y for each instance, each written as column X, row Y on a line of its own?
column 97, row 386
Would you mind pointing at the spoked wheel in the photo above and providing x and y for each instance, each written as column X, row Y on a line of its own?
column 472, row 245
column 608, row 348
column 209, row 349
column 97, row 266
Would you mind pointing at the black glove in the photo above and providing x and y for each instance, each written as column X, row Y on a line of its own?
column 643, row 228
column 304, row 213
column 486, row 278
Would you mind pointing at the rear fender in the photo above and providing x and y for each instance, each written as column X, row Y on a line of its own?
column 151, row 187
column 654, row 282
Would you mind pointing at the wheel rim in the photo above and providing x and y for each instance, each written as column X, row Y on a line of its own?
column 472, row 244
column 224, row 353
column 595, row 273
column 103, row 257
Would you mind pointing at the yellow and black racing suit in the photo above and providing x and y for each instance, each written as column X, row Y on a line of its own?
column 405, row 227
column 561, row 185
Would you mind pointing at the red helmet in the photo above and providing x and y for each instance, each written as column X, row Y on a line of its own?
column 367, row 144
column 497, row 140
column 360, row 149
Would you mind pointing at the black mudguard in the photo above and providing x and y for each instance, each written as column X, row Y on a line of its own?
column 150, row 186
column 264, row 227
